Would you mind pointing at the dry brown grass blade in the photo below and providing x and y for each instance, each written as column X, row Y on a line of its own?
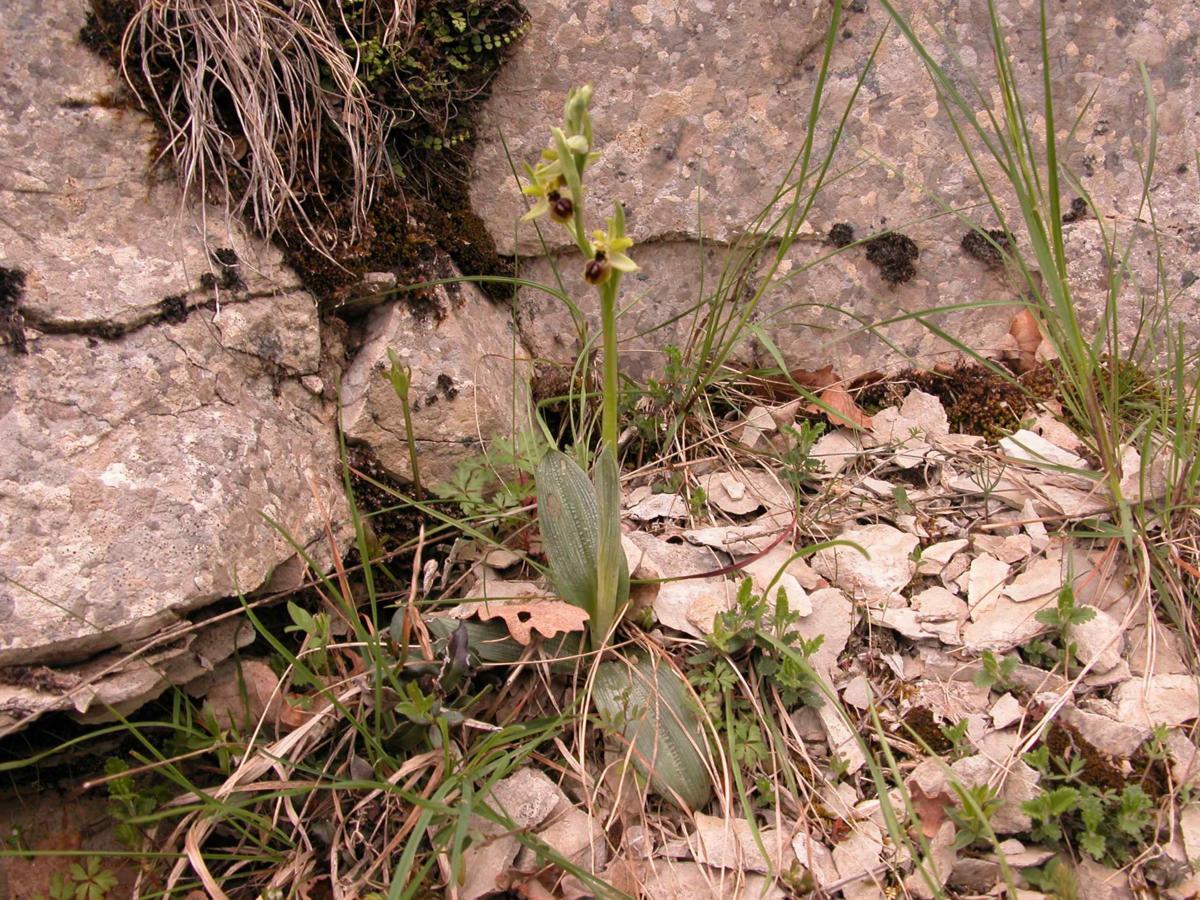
column 271, row 62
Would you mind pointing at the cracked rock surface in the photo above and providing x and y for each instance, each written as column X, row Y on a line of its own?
column 466, row 389
column 145, row 434
column 700, row 109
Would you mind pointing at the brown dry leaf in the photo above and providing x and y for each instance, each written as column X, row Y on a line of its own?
column 930, row 809
column 1028, row 336
column 778, row 388
column 241, row 698
column 845, row 410
column 547, row 617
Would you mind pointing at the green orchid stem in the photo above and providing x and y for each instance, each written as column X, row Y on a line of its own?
column 611, row 385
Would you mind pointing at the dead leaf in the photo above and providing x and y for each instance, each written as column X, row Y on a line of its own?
column 547, row 617
column 243, row 695
column 839, row 407
column 1025, row 332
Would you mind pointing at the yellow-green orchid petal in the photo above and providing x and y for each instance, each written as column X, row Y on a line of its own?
column 621, row 262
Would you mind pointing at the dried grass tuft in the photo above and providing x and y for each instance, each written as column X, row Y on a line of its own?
column 248, row 90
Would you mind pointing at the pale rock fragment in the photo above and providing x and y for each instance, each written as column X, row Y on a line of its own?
column 574, row 835
column 835, row 449
column 757, row 425
column 985, row 583
column 690, row 606
column 816, row 858
column 857, row 692
column 808, row 725
column 1158, row 700
column 1043, row 578
column 1057, row 432
column 778, row 567
column 935, row 557
column 1117, row 738
column 527, row 797
column 833, row 618
column 743, row 492
column 886, row 568
column 1099, row 882
column 974, row 876
column 1028, row 446
column 842, row 740
column 926, row 412
column 730, row 844
column 742, row 540
column 858, row 857
column 1006, row 711
column 936, row 866
column 1034, row 527
column 1010, row 548
column 940, row 613
column 1185, row 759
column 951, row 701
column 1152, row 647
column 1019, row 856
column 658, row 506
column 1004, row 625
column 1099, row 641
column 1189, row 827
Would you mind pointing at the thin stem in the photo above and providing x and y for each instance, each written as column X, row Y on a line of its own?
column 608, row 321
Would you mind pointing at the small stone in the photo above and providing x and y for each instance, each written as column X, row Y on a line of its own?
column 1006, row 711
column 1158, row 700
column 886, row 568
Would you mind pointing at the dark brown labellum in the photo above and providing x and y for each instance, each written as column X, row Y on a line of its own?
column 561, row 208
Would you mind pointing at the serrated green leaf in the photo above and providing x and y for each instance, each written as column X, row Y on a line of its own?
column 569, row 520
column 647, row 704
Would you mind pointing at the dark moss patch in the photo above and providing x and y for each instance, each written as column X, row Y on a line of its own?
column 841, row 234
column 12, row 323
column 921, row 722
column 895, row 254
column 989, row 246
column 1077, row 211
column 977, row 400
column 173, row 309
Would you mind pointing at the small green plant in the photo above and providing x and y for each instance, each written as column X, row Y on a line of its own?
column 973, row 816
column 1108, row 825
column 996, row 672
column 317, row 629
column 1064, row 615
column 127, row 804
column 87, row 880
column 1054, row 879
column 799, row 468
column 956, row 734
column 498, row 482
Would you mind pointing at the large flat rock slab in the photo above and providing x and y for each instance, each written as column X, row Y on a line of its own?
column 171, row 394
column 700, row 111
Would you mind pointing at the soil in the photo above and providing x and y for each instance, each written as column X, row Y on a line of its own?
column 895, row 254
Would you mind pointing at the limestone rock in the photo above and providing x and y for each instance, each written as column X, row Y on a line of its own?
column 166, row 402
column 699, row 111
column 466, row 387
column 881, row 568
